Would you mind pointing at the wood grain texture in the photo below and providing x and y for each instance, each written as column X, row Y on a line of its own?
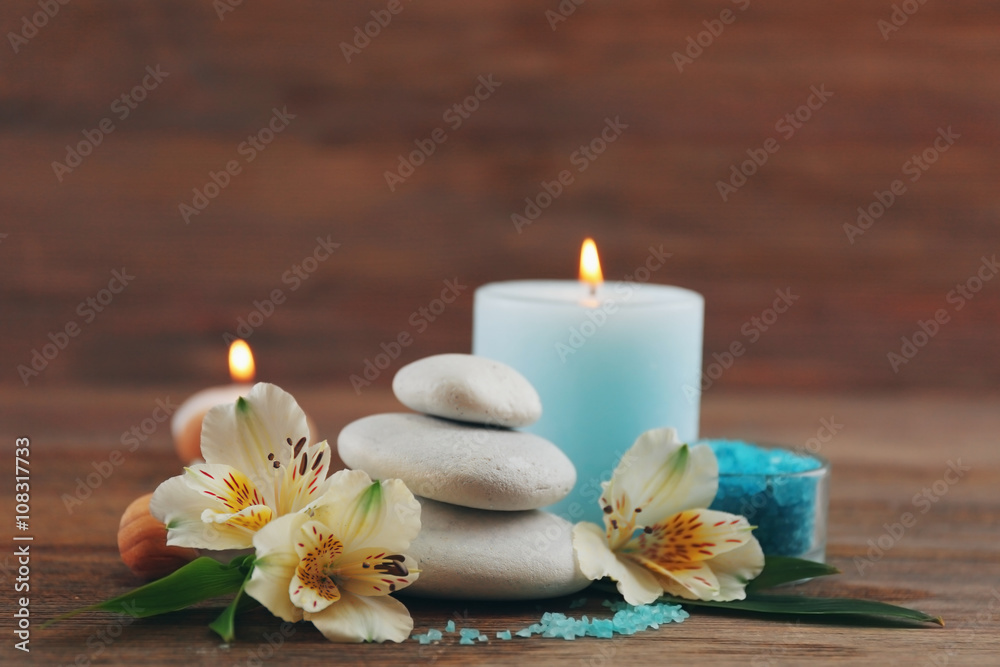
column 655, row 186
column 886, row 451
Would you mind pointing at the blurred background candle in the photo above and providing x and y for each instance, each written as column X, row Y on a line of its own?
column 186, row 423
column 609, row 360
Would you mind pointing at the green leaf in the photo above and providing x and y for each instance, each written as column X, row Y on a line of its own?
column 225, row 624
column 783, row 569
column 201, row 579
column 800, row 604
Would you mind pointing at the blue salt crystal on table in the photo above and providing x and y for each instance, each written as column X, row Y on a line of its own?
column 761, row 484
column 627, row 620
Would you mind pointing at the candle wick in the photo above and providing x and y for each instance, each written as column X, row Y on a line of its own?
column 593, row 289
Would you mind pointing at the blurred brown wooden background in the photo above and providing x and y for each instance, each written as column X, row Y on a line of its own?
column 656, row 185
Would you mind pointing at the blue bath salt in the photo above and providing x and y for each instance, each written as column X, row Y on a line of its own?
column 753, row 483
column 627, row 620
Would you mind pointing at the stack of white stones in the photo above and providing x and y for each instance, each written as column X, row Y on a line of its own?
column 480, row 482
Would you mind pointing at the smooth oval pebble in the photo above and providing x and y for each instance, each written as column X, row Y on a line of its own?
column 480, row 555
column 468, row 388
column 486, row 468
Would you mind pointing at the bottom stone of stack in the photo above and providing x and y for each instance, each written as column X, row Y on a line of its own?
column 482, row 555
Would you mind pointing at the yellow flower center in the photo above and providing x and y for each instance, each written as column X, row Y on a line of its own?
column 316, row 570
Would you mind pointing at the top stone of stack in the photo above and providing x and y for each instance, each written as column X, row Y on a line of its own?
column 467, row 388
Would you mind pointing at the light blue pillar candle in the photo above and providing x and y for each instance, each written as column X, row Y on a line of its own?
column 607, row 365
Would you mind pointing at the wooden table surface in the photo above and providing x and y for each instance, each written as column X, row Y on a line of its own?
column 885, row 452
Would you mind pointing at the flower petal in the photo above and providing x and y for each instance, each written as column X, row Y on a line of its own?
column 736, row 568
column 229, row 497
column 663, row 476
column 312, row 587
column 180, row 508
column 375, row 572
column 362, row 513
column 276, row 565
column 304, row 479
column 694, row 581
column 310, row 591
column 317, row 542
column 691, row 536
column 597, row 560
column 244, row 433
column 356, row 619
column 722, row 578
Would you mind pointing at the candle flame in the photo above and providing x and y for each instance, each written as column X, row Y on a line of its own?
column 241, row 366
column 590, row 265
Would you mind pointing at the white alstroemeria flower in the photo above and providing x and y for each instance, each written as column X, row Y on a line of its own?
column 658, row 537
column 258, row 466
column 336, row 563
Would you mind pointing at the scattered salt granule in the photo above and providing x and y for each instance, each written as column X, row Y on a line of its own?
column 468, row 635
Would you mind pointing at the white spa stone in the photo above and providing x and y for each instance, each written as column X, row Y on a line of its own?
column 473, row 466
column 480, row 555
column 468, row 388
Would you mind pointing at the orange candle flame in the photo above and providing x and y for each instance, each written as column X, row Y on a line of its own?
column 590, row 265
column 241, row 366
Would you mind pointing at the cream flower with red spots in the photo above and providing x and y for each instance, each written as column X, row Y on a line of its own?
column 657, row 536
column 336, row 563
column 258, row 466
